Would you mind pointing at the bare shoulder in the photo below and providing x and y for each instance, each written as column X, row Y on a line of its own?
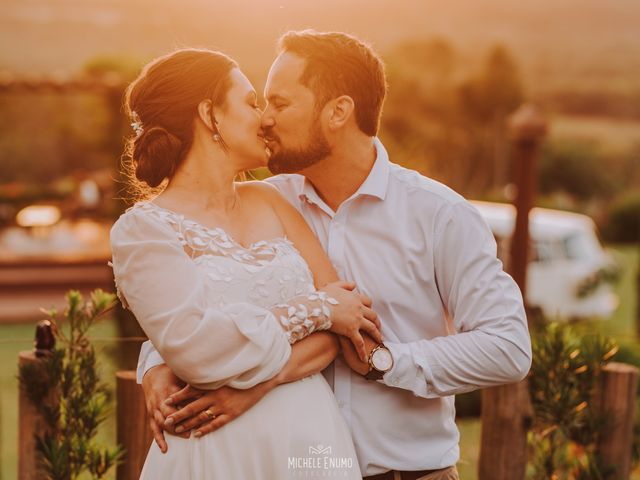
column 260, row 190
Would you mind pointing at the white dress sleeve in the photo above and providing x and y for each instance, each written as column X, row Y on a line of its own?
column 239, row 344
column 299, row 318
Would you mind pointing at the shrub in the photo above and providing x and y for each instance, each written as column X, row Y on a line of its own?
column 624, row 220
column 66, row 389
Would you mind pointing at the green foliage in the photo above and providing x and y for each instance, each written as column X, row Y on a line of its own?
column 609, row 274
column 575, row 168
column 65, row 386
column 624, row 219
column 564, row 378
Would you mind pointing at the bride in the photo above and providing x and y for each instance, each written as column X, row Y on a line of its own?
column 226, row 277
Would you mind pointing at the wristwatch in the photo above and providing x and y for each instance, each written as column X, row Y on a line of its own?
column 380, row 362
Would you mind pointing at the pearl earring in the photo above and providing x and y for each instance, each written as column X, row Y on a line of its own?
column 216, row 137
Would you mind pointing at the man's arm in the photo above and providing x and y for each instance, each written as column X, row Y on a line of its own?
column 491, row 345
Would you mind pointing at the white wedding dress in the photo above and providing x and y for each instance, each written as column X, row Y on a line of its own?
column 207, row 305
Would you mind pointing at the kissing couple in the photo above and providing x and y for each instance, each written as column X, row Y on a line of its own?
column 316, row 324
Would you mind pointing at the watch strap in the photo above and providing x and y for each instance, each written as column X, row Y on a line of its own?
column 374, row 374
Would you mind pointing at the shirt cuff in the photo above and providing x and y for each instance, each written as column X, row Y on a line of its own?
column 149, row 358
column 405, row 373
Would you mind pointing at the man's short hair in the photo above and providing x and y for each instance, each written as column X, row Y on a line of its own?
column 340, row 64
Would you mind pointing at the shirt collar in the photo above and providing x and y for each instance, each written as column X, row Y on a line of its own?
column 374, row 185
column 378, row 179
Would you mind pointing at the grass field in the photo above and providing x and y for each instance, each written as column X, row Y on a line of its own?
column 14, row 338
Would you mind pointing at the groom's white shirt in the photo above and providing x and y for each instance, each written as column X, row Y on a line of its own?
column 428, row 260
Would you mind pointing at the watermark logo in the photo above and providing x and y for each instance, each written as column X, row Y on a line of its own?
column 320, row 463
column 319, row 450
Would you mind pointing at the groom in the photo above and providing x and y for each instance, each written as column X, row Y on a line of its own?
column 452, row 320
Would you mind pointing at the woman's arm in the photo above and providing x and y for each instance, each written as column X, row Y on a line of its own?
column 325, row 276
column 239, row 344
column 308, row 356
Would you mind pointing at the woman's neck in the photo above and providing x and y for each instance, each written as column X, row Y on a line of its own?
column 204, row 182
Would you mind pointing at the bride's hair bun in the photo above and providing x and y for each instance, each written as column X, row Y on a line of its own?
column 156, row 154
column 162, row 104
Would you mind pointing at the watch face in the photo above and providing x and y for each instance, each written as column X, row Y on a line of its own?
column 382, row 360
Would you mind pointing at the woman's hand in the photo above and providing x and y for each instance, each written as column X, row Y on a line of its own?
column 352, row 314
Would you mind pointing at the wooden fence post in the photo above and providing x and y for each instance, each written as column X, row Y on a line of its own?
column 133, row 429
column 618, row 403
column 506, row 410
column 527, row 128
column 30, row 422
column 506, row 418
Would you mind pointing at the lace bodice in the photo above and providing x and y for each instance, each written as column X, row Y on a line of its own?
column 270, row 274
column 265, row 274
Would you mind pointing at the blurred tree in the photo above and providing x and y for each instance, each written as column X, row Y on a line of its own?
column 485, row 102
column 575, row 168
column 447, row 123
column 496, row 91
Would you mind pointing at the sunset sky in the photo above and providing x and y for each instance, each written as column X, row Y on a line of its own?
column 556, row 42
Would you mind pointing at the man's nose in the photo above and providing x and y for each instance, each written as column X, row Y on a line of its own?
column 267, row 120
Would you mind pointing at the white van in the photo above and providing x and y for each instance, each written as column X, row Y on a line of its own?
column 568, row 271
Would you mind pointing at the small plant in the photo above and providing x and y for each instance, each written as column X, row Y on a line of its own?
column 563, row 383
column 66, row 389
column 608, row 274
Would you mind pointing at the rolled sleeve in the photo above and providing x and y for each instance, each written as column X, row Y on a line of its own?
column 149, row 357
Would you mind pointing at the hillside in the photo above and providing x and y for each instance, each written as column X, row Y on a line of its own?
column 570, row 44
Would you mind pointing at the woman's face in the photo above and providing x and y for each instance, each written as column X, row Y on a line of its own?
column 238, row 123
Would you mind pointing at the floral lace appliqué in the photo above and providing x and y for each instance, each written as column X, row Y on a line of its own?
column 268, row 273
column 305, row 316
column 198, row 240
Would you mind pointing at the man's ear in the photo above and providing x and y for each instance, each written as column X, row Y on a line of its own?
column 340, row 111
column 205, row 113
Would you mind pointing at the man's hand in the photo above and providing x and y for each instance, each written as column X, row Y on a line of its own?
column 158, row 384
column 208, row 410
column 351, row 356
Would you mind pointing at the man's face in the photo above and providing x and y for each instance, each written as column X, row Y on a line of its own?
column 291, row 121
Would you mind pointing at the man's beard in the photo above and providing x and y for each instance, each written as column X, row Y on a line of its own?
column 292, row 161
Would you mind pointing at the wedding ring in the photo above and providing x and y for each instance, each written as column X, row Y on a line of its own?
column 209, row 414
